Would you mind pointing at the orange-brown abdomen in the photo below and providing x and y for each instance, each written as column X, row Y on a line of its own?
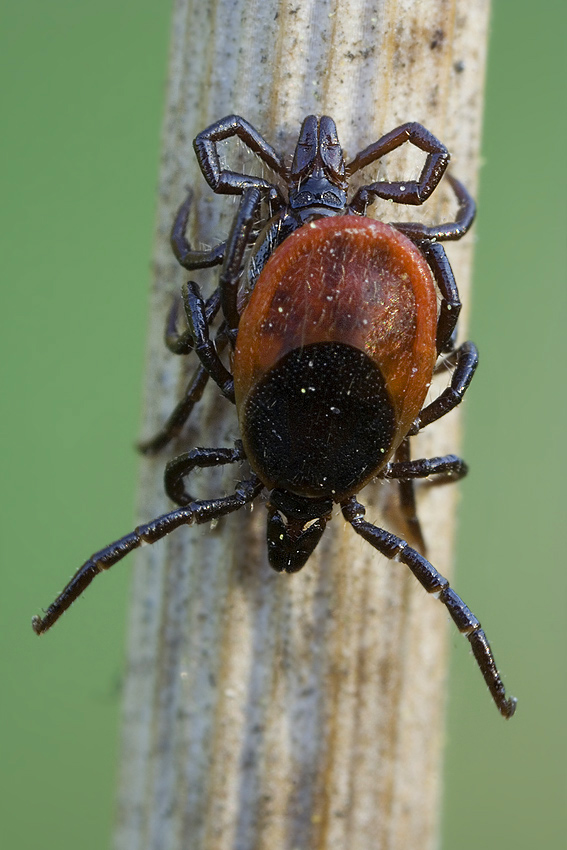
column 335, row 352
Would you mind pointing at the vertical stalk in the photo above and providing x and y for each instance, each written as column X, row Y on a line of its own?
column 270, row 711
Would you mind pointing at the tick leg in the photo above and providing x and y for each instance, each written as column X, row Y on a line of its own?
column 397, row 549
column 196, row 512
column 407, row 493
column 195, row 310
column 176, row 342
column 238, row 240
column 179, row 415
column 183, row 343
column 178, row 468
column 450, row 306
column 449, row 465
column 226, row 182
column 227, row 292
column 182, row 249
column 408, row 191
column 466, row 363
column 452, row 230
column 405, row 471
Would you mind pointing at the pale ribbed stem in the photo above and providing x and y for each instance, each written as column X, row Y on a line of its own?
column 299, row 712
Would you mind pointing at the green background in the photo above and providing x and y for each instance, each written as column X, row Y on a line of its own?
column 82, row 106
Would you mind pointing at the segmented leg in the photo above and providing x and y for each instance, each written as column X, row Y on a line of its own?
column 397, row 549
column 178, row 468
column 407, row 493
column 405, row 471
column 180, row 414
column 226, row 182
column 196, row 512
column 450, row 306
column 185, row 254
column 183, row 343
column 466, row 362
column 408, row 191
column 238, row 240
column 448, row 465
column 205, row 349
column 452, row 230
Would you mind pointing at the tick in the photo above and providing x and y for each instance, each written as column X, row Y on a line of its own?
column 334, row 331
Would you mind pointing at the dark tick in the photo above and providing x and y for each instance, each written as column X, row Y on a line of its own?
column 334, row 331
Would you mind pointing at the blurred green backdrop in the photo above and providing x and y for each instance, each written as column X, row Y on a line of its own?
column 83, row 86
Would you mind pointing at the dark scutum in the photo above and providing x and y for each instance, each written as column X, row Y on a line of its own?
column 320, row 421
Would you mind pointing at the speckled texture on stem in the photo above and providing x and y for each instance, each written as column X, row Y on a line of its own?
column 300, row 712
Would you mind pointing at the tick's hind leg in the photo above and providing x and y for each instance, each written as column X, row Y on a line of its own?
column 397, row 549
column 226, row 182
column 186, row 256
column 451, row 230
column 428, row 240
column 406, row 191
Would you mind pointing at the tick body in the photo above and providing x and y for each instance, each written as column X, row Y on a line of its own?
column 333, row 324
column 334, row 355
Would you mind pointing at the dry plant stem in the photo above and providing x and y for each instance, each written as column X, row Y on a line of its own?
column 269, row 711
